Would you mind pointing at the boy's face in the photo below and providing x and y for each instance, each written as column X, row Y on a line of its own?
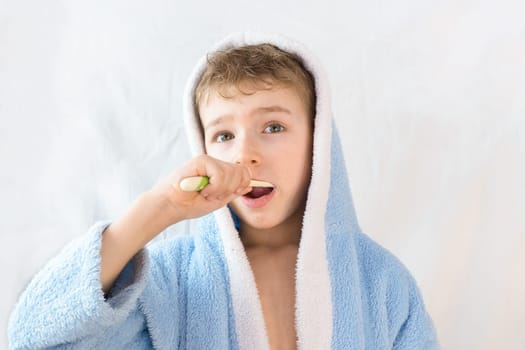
column 270, row 132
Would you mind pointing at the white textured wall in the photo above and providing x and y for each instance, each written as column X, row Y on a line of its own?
column 429, row 97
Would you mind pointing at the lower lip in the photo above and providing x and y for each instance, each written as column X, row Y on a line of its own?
column 260, row 202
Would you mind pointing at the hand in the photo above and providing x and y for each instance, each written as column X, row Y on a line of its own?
column 226, row 182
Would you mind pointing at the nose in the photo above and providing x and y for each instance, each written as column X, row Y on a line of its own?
column 247, row 153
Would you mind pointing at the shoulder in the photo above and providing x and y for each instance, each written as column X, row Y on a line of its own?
column 376, row 259
column 382, row 272
column 392, row 290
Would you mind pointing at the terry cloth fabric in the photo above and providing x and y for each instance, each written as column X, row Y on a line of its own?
column 198, row 291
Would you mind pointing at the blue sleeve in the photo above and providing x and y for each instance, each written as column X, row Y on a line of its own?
column 64, row 306
column 417, row 331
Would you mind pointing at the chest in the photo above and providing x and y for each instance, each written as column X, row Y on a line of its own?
column 274, row 273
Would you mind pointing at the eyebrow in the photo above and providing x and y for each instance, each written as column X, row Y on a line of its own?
column 259, row 110
column 272, row 109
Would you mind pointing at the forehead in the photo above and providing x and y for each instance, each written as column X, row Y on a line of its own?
column 277, row 99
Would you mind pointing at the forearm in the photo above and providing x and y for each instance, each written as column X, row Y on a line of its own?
column 139, row 224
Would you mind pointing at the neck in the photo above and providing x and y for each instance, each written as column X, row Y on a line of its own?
column 285, row 234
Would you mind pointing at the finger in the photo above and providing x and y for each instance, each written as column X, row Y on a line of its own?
column 243, row 190
column 216, row 174
column 230, row 179
column 240, row 179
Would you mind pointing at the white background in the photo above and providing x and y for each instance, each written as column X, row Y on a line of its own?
column 429, row 97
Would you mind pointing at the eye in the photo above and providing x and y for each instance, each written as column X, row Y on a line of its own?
column 273, row 128
column 223, row 136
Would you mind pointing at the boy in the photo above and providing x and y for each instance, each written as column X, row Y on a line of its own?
column 280, row 267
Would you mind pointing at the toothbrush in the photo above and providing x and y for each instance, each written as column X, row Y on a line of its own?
column 197, row 183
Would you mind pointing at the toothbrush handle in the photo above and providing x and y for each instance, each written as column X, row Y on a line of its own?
column 197, row 183
column 194, row 183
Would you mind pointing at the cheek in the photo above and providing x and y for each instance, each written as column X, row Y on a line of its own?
column 302, row 149
column 305, row 154
column 297, row 163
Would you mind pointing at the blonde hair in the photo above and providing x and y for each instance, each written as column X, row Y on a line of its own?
column 254, row 67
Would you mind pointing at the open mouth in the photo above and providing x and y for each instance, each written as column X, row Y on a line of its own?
column 258, row 192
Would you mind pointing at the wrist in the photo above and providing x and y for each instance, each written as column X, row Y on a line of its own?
column 141, row 222
column 166, row 212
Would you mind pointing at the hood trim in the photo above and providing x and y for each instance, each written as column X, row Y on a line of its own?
column 313, row 309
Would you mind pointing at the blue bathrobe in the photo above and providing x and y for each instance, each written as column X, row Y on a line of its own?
column 198, row 291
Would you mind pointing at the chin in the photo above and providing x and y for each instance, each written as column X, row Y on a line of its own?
column 261, row 219
column 261, row 225
column 258, row 221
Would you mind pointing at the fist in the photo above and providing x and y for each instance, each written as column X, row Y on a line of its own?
column 226, row 182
